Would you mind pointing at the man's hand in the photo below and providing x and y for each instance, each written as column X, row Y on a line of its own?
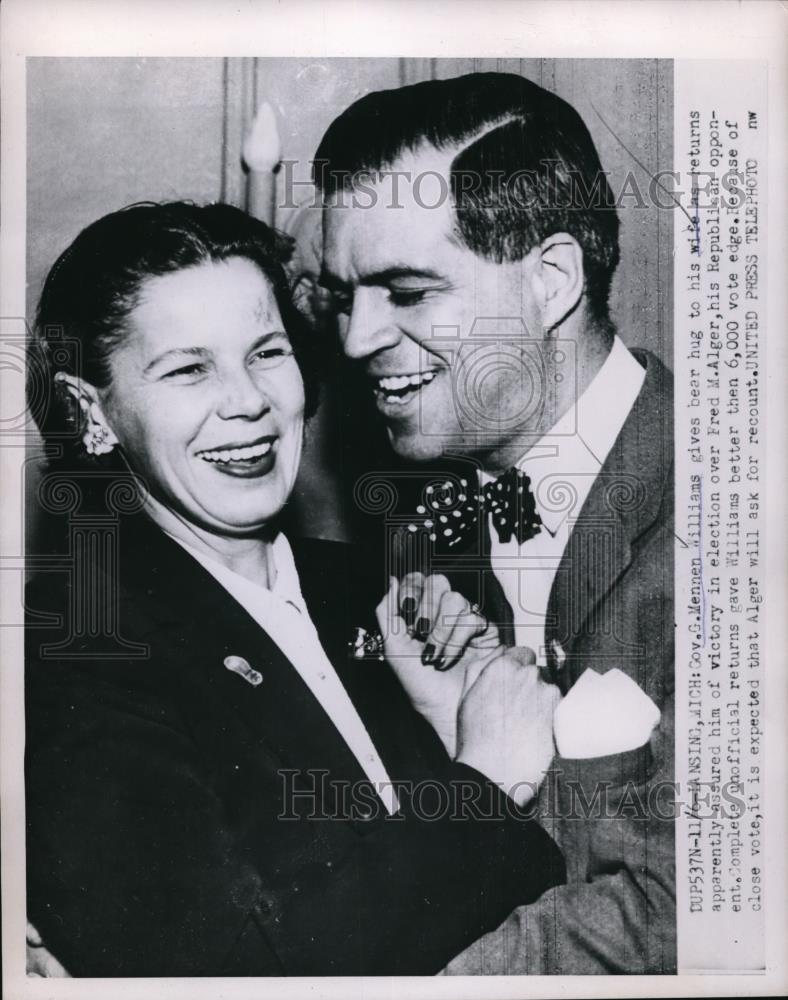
column 505, row 727
column 437, row 646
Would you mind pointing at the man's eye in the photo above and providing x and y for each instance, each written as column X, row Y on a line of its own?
column 404, row 297
column 342, row 303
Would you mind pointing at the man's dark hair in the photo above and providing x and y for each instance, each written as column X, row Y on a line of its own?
column 96, row 282
column 526, row 166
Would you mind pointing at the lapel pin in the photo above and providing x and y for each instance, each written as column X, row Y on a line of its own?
column 556, row 661
column 240, row 666
column 559, row 655
column 365, row 643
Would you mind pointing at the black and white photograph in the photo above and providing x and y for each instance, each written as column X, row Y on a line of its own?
column 384, row 610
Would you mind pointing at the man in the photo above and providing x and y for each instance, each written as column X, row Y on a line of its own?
column 470, row 243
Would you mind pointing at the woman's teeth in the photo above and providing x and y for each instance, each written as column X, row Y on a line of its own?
column 249, row 454
column 396, row 387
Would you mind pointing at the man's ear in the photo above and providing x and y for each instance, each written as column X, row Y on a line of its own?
column 97, row 435
column 559, row 278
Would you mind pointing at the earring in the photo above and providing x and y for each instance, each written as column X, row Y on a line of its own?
column 97, row 441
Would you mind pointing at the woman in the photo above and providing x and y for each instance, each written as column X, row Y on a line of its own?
column 208, row 774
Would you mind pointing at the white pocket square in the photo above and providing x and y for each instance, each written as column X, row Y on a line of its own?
column 603, row 714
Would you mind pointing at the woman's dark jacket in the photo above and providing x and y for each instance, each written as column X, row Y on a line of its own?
column 163, row 835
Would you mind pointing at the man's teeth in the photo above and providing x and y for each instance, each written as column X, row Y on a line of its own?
column 249, row 454
column 400, row 384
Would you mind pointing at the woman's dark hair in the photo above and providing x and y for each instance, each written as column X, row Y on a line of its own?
column 95, row 284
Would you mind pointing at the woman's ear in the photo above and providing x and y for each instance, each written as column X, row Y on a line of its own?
column 97, row 436
column 559, row 279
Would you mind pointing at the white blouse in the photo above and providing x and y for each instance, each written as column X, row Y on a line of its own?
column 282, row 614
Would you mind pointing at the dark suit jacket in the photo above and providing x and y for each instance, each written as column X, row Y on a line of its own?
column 157, row 781
column 611, row 606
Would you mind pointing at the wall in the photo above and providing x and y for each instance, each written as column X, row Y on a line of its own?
column 104, row 133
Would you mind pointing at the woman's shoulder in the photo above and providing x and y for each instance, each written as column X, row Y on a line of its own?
column 90, row 630
column 341, row 583
column 339, row 564
column 90, row 666
column 319, row 553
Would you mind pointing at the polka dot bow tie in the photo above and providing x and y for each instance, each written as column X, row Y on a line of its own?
column 450, row 514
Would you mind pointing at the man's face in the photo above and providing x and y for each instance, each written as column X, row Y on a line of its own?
column 446, row 338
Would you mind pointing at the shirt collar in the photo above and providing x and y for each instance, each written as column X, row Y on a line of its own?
column 287, row 586
column 578, row 444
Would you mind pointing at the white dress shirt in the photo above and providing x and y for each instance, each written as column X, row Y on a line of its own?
column 282, row 614
column 562, row 467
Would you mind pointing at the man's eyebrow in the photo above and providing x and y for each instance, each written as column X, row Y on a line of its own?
column 330, row 280
column 397, row 273
column 383, row 277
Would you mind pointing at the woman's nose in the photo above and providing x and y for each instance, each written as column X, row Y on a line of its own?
column 370, row 327
column 242, row 396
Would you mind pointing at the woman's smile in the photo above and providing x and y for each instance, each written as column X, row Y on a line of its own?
column 247, row 461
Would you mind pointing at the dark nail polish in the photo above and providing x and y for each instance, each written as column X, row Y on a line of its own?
column 427, row 654
column 408, row 609
column 441, row 664
column 422, row 628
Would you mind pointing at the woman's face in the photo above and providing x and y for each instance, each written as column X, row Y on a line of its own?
column 206, row 398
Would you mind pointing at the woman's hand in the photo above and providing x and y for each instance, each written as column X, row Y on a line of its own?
column 505, row 727
column 40, row 962
column 437, row 645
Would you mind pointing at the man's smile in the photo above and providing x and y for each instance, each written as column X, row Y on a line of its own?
column 399, row 389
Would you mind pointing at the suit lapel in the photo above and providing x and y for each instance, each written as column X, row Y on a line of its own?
column 597, row 553
column 623, row 503
column 196, row 624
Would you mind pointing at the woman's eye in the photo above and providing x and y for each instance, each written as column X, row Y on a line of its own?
column 187, row 371
column 272, row 356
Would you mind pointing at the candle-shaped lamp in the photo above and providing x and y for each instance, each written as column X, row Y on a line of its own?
column 262, row 151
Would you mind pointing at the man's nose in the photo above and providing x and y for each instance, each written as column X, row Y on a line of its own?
column 242, row 396
column 370, row 327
